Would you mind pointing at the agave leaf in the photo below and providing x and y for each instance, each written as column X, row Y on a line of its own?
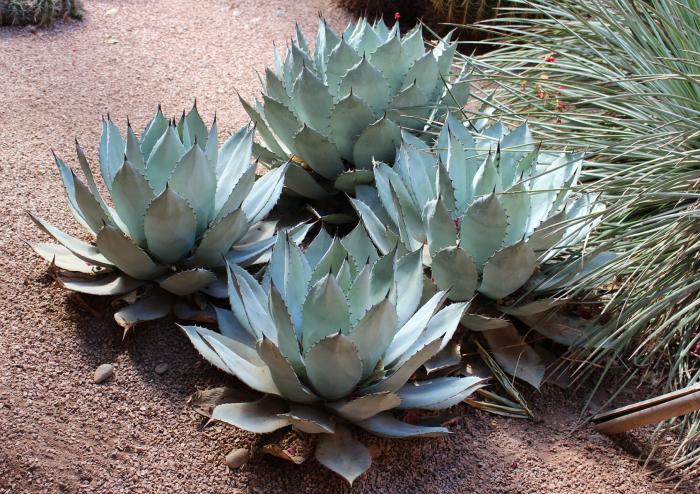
column 233, row 162
column 166, row 154
column 311, row 101
column 389, row 59
column 514, row 355
column 441, row 229
column 264, row 130
column 283, row 374
column 384, row 239
column 415, row 167
column 275, row 88
column 333, row 366
column 449, row 357
column 344, row 455
column 441, row 326
column 285, row 124
column 298, row 180
column 196, row 129
column 256, row 377
column 425, row 73
column 427, row 394
column 238, row 194
column 381, row 278
column 378, row 142
column 349, row 180
column 309, row 419
column 111, row 151
column 63, row 258
column 364, row 39
column 260, row 417
column 373, row 334
column 230, row 327
column 367, row 83
column 153, row 132
column 109, row 284
column 218, row 239
column 405, row 210
column 131, row 196
column 196, row 337
column 454, row 270
column 403, row 372
column 248, row 302
column 325, row 312
column 514, row 146
column 288, row 340
column 318, row 152
column 516, row 202
column 408, row 285
column 194, row 180
column 412, row 330
column 331, row 261
column 411, row 107
column 462, row 163
column 508, row 270
column 548, row 233
column 384, row 424
column 365, row 406
column 326, row 41
column 290, row 273
column 483, row 228
column 264, row 194
column 360, row 248
column 340, row 60
column 82, row 250
column 187, row 282
column 170, row 227
column 155, row 304
column 358, row 296
column 486, row 178
column 126, row 255
column 477, row 322
column 89, row 177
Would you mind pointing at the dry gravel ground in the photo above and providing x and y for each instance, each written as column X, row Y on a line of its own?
column 59, row 431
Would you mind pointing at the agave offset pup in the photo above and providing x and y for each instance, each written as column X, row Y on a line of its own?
column 490, row 208
column 179, row 206
column 334, row 110
column 330, row 342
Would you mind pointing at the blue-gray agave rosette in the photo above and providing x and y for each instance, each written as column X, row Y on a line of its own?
column 335, row 109
column 490, row 209
column 332, row 336
column 178, row 206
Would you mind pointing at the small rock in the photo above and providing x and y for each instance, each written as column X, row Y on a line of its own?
column 237, row 458
column 111, row 12
column 161, row 368
column 280, row 13
column 103, row 372
column 236, row 13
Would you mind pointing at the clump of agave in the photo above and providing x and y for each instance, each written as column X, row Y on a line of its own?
column 179, row 206
column 490, row 208
column 334, row 110
column 330, row 341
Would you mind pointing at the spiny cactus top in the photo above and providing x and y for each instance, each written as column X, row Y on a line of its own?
column 179, row 205
column 333, row 336
column 333, row 110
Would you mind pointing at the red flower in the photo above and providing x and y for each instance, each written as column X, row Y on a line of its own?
column 550, row 58
column 397, row 16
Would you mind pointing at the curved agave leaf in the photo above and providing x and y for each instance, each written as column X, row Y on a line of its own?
column 131, row 196
column 386, row 425
column 483, row 228
column 166, row 153
column 63, row 258
column 454, row 270
column 365, row 406
column 283, row 374
column 311, row 101
column 325, row 312
column 367, row 83
column 264, row 195
column 218, row 239
column 82, row 250
column 373, row 334
column 378, row 142
column 111, row 151
column 342, row 454
column 333, row 366
column 126, row 255
column 427, row 394
column 309, row 419
column 261, row 416
column 188, row 282
column 155, row 304
column 109, row 284
column 508, row 270
column 194, row 180
column 318, row 152
column 170, row 226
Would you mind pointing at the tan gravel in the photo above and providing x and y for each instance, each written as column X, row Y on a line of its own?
column 61, row 432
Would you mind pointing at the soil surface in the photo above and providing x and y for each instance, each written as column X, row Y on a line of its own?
column 60, row 432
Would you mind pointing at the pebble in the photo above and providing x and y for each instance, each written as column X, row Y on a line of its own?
column 103, row 372
column 161, row 369
column 237, row 458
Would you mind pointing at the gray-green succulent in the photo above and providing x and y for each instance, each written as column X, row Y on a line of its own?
column 488, row 206
column 335, row 110
column 332, row 335
column 180, row 205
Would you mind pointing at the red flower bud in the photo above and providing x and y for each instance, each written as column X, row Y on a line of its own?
column 397, row 16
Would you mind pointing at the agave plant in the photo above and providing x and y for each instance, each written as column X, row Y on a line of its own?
column 334, row 110
column 329, row 341
column 180, row 206
column 490, row 208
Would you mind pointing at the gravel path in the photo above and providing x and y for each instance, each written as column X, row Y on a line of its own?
column 59, row 431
